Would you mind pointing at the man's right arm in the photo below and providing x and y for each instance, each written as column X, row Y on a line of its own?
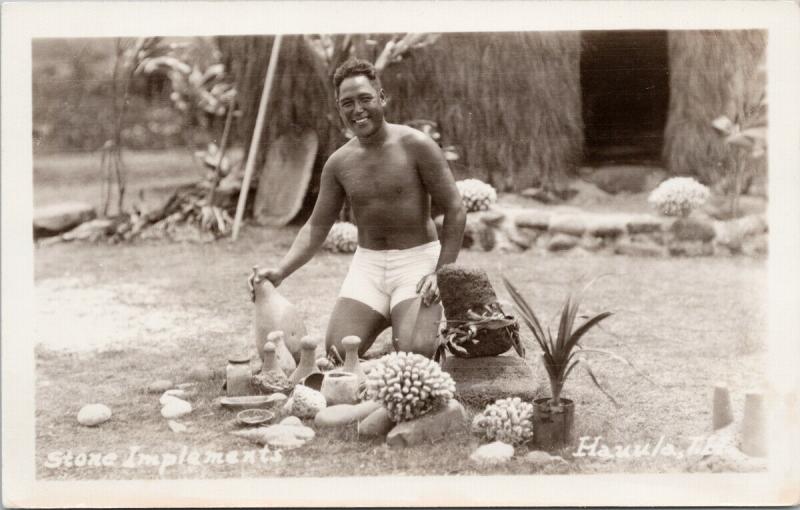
column 311, row 236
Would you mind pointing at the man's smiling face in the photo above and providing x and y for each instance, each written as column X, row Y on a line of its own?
column 361, row 105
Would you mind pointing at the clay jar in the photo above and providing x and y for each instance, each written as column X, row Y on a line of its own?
column 274, row 312
column 340, row 387
column 308, row 362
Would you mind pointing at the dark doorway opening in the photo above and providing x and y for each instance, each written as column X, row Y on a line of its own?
column 625, row 94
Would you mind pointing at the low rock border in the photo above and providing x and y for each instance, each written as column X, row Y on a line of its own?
column 639, row 235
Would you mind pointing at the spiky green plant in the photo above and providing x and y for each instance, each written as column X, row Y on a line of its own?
column 560, row 354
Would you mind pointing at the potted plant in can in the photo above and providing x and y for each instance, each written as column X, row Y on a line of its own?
column 553, row 416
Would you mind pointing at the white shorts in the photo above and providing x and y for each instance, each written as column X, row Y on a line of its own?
column 382, row 278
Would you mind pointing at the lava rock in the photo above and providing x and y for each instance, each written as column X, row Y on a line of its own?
column 56, row 219
column 592, row 243
column 92, row 415
column 606, row 225
column 491, row 217
column 377, row 424
column 431, row 427
column 626, row 178
column 728, row 235
column 494, row 453
column 562, row 242
column 571, row 224
column 532, row 219
column 751, row 225
column 644, row 224
column 306, row 403
column 638, row 249
column 690, row 249
column 692, row 229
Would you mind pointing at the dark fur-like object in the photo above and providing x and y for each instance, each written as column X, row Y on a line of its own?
column 463, row 289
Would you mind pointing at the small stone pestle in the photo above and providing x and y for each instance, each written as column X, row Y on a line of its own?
column 308, row 362
column 270, row 359
column 351, row 344
column 285, row 360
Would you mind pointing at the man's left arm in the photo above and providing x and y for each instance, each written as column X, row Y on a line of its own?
column 441, row 186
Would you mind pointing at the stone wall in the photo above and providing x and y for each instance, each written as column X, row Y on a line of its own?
column 643, row 235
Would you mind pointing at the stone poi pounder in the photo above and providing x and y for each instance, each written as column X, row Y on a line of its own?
column 463, row 289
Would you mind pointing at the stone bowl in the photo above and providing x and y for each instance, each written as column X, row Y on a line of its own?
column 254, row 416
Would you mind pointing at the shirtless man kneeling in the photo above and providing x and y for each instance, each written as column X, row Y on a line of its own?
column 390, row 173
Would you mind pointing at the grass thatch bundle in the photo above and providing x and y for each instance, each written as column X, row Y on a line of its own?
column 509, row 101
column 299, row 100
column 711, row 73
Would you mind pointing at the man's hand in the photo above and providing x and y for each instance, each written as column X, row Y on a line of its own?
column 428, row 289
column 273, row 274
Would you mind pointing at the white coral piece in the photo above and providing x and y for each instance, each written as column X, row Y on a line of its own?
column 476, row 194
column 342, row 238
column 408, row 385
column 678, row 196
column 507, row 420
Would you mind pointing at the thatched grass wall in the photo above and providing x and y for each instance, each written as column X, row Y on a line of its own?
column 300, row 100
column 509, row 101
column 711, row 73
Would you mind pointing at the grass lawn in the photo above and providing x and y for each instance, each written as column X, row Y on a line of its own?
column 114, row 318
column 111, row 319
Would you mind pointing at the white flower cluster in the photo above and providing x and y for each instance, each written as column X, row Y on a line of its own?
column 476, row 194
column 409, row 385
column 508, row 420
column 342, row 238
column 678, row 196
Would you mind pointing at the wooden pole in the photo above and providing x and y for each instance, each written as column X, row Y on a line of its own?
column 251, row 156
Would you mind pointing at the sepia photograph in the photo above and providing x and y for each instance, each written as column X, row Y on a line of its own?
column 411, row 260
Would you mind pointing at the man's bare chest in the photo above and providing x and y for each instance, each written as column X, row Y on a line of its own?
column 382, row 178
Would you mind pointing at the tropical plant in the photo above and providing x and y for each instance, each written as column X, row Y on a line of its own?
column 746, row 134
column 130, row 54
column 562, row 354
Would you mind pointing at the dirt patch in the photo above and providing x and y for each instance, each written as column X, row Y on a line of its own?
column 79, row 315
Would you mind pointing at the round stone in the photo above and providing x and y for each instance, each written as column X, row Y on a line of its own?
column 176, row 408
column 92, row 415
column 159, row 386
column 497, row 452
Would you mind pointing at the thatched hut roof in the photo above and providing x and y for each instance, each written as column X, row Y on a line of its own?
column 710, row 73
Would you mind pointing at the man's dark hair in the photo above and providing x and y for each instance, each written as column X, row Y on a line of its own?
column 355, row 67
